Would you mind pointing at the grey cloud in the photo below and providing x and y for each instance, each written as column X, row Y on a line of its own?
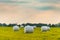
column 46, row 8
column 49, row 1
column 10, row 1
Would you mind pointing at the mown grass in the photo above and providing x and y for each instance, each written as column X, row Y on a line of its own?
column 7, row 33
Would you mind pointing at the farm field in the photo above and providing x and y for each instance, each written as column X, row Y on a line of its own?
column 7, row 33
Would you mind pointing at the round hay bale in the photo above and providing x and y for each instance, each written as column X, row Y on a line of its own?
column 34, row 26
column 45, row 28
column 15, row 28
column 28, row 29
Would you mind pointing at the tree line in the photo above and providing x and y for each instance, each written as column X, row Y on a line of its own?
column 31, row 24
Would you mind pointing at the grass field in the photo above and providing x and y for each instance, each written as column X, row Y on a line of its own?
column 7, row 33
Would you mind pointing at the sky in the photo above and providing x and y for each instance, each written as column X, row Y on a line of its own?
column 30, row 11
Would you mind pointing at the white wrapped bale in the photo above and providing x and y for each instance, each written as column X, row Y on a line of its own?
column 34, row 26
column 15, row 28
column 28, row 29
column 45, row 28
column 48, row 28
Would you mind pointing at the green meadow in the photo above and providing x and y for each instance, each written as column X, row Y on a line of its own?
column 7, row 33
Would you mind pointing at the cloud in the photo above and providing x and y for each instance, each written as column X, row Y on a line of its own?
column 49, row 1
column 44, row 8
column 29, row 13
column 33, row 4
column 13, row 1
